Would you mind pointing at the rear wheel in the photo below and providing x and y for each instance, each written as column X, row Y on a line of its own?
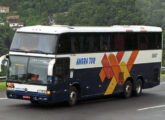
column 127, row 89
column 73, row 96
column 138, row 87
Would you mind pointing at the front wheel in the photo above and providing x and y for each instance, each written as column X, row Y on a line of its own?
column 127, row 89
column 73, row 96
column 34, row 102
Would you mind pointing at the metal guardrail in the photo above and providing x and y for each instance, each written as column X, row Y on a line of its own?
column 163, row 68
column 2, row 78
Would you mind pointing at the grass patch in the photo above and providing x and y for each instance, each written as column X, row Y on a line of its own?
column 2, row 85
column 162, row 75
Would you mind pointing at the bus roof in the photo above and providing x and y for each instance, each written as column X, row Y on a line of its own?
column 59, row 29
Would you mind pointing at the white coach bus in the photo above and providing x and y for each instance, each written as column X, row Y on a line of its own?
column 65, row 63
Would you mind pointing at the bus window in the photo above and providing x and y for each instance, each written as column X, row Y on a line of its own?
column 158, row 40
column 154, row 41
column 86, row 44
column 119, row 41
column 143, row 41
column 131, row 41
column 81, row 37
column 75, row 44
column 96, row 43
column 64, row 44
column 105, row 42
column 91, row 43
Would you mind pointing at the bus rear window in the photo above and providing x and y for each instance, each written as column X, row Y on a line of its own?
column 37, row 43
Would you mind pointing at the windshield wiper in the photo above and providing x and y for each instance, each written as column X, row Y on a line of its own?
column 16, row 81
column 18, row 50
column 36, row 51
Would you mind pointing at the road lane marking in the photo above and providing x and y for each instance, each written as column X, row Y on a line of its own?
column 3, row 98
column 153, row 107
column 162, row 83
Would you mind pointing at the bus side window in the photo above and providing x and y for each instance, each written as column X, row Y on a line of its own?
column 64, row 44
column 155, row 41
column 158, row 40
column 75, row 43
column 81, row 39
column 131, row 41
column 119, row 41
column 143, row 42
column 96, row 43
column 91, row 43
column 112, row 42
column 104, row 41
column 86, row 44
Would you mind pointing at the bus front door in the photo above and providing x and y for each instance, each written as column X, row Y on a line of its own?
column 61, row 70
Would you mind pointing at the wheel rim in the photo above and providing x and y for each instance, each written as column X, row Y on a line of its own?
column 138, row 88
column 73, row 97
column 128, row 90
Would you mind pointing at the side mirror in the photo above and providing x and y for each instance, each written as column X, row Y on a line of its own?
column 50, row 67
column 50, row 70
column 3, row 61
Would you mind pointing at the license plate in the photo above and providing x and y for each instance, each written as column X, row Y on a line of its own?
column 26, row 97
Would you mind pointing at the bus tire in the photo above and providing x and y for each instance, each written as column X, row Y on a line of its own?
column 138, row 87
column 34, row 102
column 73, row 96
column 128, row 87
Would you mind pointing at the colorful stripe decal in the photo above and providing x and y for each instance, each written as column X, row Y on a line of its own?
column 132, row 59
column 119, row 56
column 107, row 67
column 102, row 75
column 115, row 67
column 111, row 87
column 124, row 71
column 119, row 72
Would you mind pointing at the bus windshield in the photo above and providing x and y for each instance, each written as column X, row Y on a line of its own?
column 35, row 43
column 30, row 70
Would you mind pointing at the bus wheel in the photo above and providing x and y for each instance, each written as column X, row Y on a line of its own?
column 73, row 96
column 127, row 89
column 138, row 87
column 34, row 102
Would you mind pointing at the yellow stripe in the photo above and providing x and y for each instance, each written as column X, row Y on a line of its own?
column 111, row 86
column 113, row 83
column 124, row 69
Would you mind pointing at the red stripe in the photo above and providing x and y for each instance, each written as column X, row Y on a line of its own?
column 107, row 67
column 132, row 60
column 119, row 56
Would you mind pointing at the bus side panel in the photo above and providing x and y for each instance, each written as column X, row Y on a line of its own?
column 59, row 92
column 149, row 72
column 91, row 84
column 90, row 81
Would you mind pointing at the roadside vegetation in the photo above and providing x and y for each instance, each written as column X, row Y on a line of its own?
column 2, row 85
column 162, row 75
column 83, row 13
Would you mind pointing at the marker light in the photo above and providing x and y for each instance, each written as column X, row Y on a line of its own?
column 129, row 30
column 143, row 30
column 44, row 92
column 48, row 92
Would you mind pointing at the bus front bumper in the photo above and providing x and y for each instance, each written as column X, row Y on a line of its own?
column 32, row 96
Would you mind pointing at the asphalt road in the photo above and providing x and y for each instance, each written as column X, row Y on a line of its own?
column 149, row 106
